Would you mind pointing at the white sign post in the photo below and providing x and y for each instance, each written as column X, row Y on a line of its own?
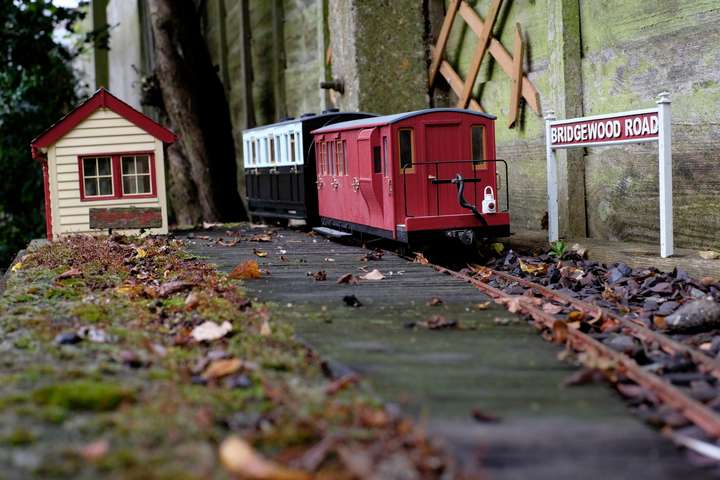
column 649, row 125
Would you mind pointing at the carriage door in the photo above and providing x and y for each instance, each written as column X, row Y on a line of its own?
column 442, row 145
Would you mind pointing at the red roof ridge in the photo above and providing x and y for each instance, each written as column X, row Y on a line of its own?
column 102, row 98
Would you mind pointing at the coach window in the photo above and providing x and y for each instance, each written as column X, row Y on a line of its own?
column 272, row 149
column 340, row 159
column 377, row 160
column 345, row 157
column 478, row 146
column 292, row 148
column 405, row 147
column 385, row 156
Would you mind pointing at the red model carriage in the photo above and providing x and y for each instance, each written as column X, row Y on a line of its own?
column 412, row 175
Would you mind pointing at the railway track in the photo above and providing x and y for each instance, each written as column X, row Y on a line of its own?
column 581, row 326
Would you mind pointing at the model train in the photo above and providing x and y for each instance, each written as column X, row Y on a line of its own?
column 408, row 177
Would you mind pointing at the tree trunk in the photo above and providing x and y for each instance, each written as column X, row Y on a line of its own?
column 195, row 102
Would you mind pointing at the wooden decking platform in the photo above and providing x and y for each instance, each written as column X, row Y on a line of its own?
column 497, row 363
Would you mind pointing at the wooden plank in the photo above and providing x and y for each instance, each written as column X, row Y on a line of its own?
column 439, row 49
column 480, row 48
column 529, row 92
column 518, row 51
column 456, row 84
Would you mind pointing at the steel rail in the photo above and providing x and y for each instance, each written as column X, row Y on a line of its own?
column 699, row 414
column 704, row 362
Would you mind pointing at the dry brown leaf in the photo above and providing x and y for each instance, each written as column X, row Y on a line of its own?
column 260, row 253
column 375, row 274
column 511, row 303
column 71, row 273
column 709, row 255
column 483, row 305
column 435, row 302
column 192, row 300
column 342, row 383
column 559, row 331
column 420, row 258
column 349, row 279
column 575, row 316
column 246, row 270
column 265, row 329
column 227, row 366
column 320, row 275
column 261, row 238
column 174, row 286
column 552, row 309
column 534, row 269
column 438, row 322
column 660, row 322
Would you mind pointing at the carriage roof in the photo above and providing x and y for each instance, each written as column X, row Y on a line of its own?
column 309, row 118
column 390, row 119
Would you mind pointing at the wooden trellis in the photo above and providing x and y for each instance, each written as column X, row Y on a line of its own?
column 511, row 65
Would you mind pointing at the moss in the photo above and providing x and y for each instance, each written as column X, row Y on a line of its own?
column 19, row 437
column 83, row 395
column 89, row 313
column 23, row 343
column 61, row 293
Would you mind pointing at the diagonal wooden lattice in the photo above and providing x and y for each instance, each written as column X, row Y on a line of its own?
column 512, row 65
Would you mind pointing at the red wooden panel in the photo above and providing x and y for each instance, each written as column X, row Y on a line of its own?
column 125, row 218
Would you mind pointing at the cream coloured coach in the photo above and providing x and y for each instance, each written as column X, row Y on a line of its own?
column 103, row 168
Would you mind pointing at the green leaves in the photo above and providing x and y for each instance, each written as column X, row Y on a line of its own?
column 37, row 87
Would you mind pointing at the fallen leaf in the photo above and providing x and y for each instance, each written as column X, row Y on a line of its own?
column 209, row 331
column 342, row 383
column 320, row 275
column 246, row 270
column 706, row 346
column 709, row 255
column 511, row 303
column 16, row 267
column 559, row 331
column 95, row 450
column 349, row 279
column 483, row 305
column 551, row 308
column 373, row 275
column 261, row 238
column 265, row 330
column 227, row 366
column 482, row 416
column 192, row 300
column 328, row 259
column 141, row 253
column 434, row 302
column 211, row 225
column 660, row 322
column 174, row 286
column 71, row 273
column 497, row 247
column 437, row 322
column 420, row 258
column 575, row 316
column 241, row 459
column 260, row 253
column 534, row 268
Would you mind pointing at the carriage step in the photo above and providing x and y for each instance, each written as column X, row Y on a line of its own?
column 331, row 232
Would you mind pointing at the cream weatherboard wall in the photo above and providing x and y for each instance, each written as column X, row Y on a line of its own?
column 102, row 132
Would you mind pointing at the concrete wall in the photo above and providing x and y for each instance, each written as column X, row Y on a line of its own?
column 379, row 53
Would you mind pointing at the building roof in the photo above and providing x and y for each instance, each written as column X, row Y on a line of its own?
column 100, row 99
column 394, row 118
